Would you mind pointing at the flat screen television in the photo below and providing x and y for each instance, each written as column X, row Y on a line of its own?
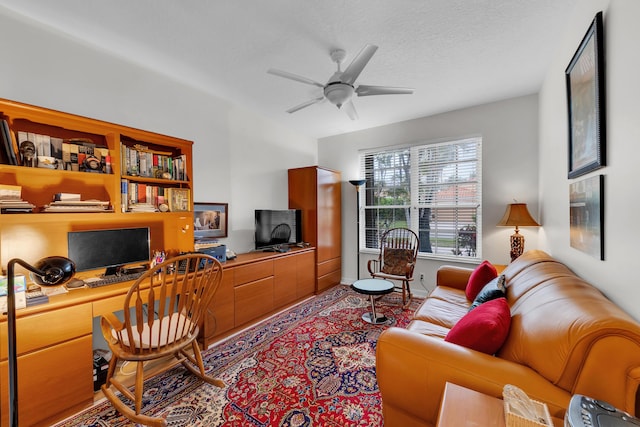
column 278, row 229
column 109, row 249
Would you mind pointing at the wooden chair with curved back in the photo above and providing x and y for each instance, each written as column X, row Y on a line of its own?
column 162, row 311
column 397, row 259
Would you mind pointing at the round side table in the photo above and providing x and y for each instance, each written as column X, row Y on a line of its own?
column 373, row 287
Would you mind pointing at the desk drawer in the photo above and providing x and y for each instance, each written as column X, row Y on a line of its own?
column 53, row 383
column 252, row 272
column 49, row 328
column 253, row 300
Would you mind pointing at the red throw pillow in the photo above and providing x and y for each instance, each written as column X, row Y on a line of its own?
column 483, row 274
column 483, row 329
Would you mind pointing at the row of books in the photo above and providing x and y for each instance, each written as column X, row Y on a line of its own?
column 140, row 161
column 138, row 197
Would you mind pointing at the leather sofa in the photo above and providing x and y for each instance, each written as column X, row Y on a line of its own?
column 565, row 338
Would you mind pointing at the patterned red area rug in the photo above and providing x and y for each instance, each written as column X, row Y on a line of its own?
column 311, row 365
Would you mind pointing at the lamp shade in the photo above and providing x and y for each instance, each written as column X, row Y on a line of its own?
column 517, row 215
column 55, row 270
column 357, row 182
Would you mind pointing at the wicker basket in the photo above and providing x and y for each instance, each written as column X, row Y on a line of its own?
column 514, row 420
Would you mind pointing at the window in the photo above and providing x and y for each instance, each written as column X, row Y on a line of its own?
column 433, row 189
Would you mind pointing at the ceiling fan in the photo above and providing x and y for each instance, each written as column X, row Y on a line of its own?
column 341, row 85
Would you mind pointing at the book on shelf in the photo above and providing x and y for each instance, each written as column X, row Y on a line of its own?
column 65, row 197
column 7, row 150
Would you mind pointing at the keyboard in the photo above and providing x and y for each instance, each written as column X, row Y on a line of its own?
column 112, row 279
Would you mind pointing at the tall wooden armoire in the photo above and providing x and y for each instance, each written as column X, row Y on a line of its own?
column 317, row 192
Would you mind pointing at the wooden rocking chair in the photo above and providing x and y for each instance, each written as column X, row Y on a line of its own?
column 397, row 259
column 161, row 315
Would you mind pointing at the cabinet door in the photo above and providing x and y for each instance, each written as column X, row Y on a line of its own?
column 220, row 317
column 52, row 383
column 253, row 300
column 285, row 280
column 329, row 215
column 306, row 274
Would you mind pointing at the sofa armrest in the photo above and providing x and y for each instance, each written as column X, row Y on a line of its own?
column 452, row 276
column 412, row 370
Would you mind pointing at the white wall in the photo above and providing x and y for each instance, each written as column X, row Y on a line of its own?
column 509, row 131
column 239, row 157
column 616, row 275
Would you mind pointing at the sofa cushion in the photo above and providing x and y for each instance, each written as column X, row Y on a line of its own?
column 484, row 329
column 492, row 290
column 483, row 274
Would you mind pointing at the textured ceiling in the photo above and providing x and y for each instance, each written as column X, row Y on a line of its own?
column 454, row 53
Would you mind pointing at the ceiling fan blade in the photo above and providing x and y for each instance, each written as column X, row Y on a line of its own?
column 295, row 77
column 305, row 104
column 350, row 109
column 364, row 90
column 357, row 65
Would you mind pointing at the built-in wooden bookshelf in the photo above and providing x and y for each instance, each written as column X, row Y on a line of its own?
column 67, row 138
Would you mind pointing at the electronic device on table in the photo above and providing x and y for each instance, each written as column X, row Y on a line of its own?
column 277, row 230
column 587, row 412
column 111, row 249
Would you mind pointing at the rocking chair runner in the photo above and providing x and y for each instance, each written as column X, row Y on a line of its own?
column 397, row 259
column 161, row 315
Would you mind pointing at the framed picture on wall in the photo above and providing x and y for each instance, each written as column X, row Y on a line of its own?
column 586, row 103
column 586, row 198
column 210, row 220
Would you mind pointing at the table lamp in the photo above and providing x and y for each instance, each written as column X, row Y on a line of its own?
column 48, row 271
column 357, row 183
column 517, row 215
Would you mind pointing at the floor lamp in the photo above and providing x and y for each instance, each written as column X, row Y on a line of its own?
column 357, row 183
column 48, row 271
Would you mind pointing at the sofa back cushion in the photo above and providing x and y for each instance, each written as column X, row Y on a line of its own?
column 558, row 320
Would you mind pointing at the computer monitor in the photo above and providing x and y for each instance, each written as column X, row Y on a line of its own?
column 110, row 249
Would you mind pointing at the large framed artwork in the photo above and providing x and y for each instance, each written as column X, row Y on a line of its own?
column 587, row 215
column 586, row 103
column 210, row 220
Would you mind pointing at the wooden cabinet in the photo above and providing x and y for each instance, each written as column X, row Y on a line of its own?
column 317, row 192
column 32, row 236
column 255, row 285
column 55, row 365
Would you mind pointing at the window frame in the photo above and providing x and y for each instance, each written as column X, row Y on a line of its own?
column 369, row 214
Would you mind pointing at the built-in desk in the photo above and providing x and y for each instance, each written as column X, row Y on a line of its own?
column 54, row 340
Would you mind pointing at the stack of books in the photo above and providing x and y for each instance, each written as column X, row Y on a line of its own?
column 11, row 201
column 78, row 206
column 142, row 207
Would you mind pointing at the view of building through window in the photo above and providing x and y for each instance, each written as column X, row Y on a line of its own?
column 433, row 189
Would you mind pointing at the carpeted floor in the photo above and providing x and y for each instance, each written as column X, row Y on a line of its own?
column 312, row 365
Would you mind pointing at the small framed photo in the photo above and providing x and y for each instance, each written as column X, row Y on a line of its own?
column 586, row 103
column 210, row 220
column 179, row 199
column 587, row 215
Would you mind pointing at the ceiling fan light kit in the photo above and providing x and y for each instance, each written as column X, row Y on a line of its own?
column 341, row 85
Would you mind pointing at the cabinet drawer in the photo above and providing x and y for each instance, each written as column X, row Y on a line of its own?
column 329, row 266
column 48, row 328
column 253, row 300
column 53, row 383
column 329, row 280
column 252, row 272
